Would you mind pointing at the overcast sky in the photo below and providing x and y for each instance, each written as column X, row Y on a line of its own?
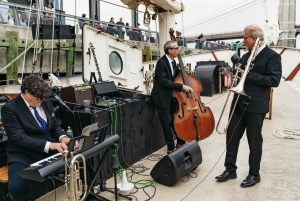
column 200, row 16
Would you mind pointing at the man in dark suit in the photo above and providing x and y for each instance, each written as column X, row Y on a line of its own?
column 165, row 74
column 250, row 111
column 32, row 131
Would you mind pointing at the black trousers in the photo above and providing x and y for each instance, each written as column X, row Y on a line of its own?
column 166, row 121
column 252, row 123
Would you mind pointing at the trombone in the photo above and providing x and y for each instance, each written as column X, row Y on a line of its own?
column 239, row 88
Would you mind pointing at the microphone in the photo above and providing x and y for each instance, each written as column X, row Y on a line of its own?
column 60, row 101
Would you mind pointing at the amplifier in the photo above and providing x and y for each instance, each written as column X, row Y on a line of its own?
column 76, row 94
column 104, row 88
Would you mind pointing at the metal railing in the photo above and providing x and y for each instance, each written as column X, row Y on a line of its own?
column 20, row 15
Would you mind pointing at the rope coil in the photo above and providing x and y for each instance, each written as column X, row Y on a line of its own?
column 289, row 133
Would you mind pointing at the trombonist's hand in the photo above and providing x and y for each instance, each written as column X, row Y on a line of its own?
column 186, row 88
column 240, row 70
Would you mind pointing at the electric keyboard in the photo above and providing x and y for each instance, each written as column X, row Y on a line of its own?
column 40, row 170
column 48, row 160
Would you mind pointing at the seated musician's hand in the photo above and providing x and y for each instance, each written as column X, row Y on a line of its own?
column 60, row 147
column 65, row 140
column 186, row 68
column 186, row 88
column 76, row 145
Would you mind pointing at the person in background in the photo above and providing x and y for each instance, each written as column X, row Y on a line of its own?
column 111, row 21
column 49, row 17
column 22, row 22
column 127, row 26
column 165, row 74
column 33, row 132
column 121, row 22
column 33, row 14
column 250, row 110
column 137, row 28
column 4, row 13
column 82, row 22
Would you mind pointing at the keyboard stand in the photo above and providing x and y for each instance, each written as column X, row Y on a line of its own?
column 98, row 171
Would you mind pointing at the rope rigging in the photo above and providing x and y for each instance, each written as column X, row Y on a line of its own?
column 225, row 13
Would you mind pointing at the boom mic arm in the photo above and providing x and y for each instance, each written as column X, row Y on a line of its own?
column 60, row 101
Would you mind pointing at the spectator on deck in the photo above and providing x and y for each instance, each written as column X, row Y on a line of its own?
column 4, row 13
column 22, row 22
column 127, row 26
column 49, row 17
column 33, row 14
column 201, row 37
column 112, row 21
column 137, row 28
column 82, row 22
column 121, row 22
column 11, row 20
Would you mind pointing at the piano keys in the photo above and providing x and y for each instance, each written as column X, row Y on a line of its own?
column 48, row 160
column 40, row 170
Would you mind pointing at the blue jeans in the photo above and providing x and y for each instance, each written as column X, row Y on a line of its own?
column 18, row 187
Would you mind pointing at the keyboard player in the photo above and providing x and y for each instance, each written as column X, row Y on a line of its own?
column 33, row 131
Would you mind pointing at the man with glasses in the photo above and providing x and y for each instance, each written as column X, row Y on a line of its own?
column 32, row 131
column 250, row 110
column 165, row 73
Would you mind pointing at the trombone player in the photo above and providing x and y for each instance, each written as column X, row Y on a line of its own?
column 251, row 109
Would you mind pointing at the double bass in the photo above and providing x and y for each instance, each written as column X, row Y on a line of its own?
column 192, row 120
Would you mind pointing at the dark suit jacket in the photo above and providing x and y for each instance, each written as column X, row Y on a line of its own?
column 266, row 73
column 164, row 83
column 26, row 141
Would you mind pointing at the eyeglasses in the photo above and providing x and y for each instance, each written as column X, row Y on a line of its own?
column 245, row 38
column 174, row 48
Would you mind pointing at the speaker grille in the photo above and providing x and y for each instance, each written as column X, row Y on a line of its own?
column 174, row 166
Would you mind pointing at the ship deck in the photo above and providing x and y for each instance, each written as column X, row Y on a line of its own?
column 280, row 178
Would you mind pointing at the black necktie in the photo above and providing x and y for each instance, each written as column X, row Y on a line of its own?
column 174, row 67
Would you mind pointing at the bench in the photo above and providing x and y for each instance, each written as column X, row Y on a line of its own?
column 3, row 181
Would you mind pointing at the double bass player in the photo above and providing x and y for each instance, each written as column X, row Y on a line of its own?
column 165, row 74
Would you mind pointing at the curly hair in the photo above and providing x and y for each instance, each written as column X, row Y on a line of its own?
column 36, row 86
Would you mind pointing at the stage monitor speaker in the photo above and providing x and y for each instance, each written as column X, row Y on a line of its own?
column 174, row 166
column 104, row 88
column 76, row 95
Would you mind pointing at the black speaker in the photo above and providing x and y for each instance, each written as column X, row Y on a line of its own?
column 104, row 88
column 60, row 31
column 177, row 164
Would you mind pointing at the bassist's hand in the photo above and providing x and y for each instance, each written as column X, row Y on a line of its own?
column 186, row 68
column 186, row 88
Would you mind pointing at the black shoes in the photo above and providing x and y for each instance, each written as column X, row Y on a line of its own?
column 226, row 175
column 251, row 180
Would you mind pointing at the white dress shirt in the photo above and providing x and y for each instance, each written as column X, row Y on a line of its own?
column 170, row 61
